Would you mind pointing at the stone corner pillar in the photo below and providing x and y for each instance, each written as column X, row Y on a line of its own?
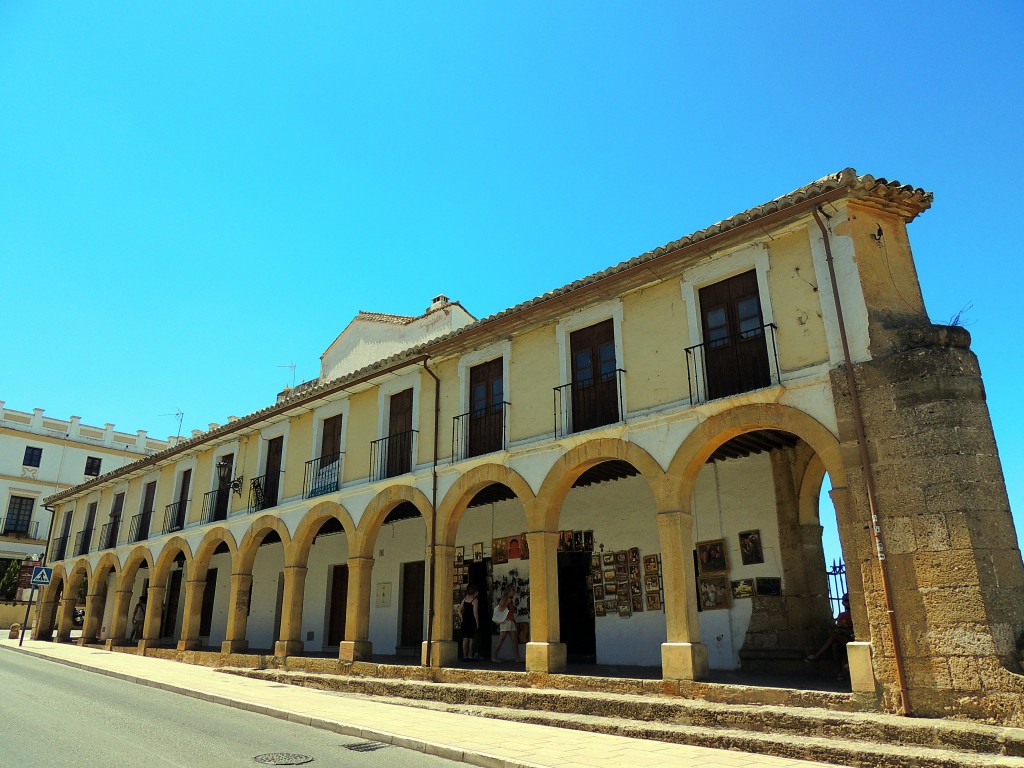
column 355, row 650
column 285, row 648
column 439, row 653
column 546, row 657
column 234, row 646
column 862, row 672
column 684, row 661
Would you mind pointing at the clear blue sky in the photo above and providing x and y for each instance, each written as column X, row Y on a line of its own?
column 194, row 194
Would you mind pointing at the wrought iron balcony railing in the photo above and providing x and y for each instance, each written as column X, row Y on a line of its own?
column 733, row 364
column 479, row 432
column 139, row 530
column 174, row 516
column 60, row 548
column 82, row 541
column 391, row 456
column 589, row 403
column 215, row 505
column 108, row 534
column 19, row 527
column 323, row 475
column 263, row 491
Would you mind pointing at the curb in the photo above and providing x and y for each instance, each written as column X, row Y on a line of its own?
column 482, row 759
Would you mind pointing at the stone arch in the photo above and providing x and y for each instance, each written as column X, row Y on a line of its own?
column 108, row 562
column 205, row 549
column 575, row 462
column 81, row 569
column 131, row 566
column 711, row 433
column 57, row 582
column 257, row 532
column 377, row 511
column 810, row 490
column 167, row 556
column 455, row 501
column 310, row 524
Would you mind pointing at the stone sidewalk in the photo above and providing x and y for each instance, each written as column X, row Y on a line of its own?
column 474, row 740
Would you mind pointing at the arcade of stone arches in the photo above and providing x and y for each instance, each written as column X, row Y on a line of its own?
column 115, row 583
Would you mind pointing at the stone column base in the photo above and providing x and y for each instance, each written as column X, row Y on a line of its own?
column 684, row 661
column 445, row 653
column 234, row 646
column 145, row 645
column 546, row 657
column 62, row 638
column 355, row 650
column 112, row 643
column 189, row 645
column 285, row 648
column 862, row 672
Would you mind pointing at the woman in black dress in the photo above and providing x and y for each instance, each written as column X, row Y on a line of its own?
column 470, row 623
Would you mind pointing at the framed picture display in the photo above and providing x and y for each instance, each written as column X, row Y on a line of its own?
column 651, row 564
column 711, row 556
column 637, row 603
column 524, row 547
column 634, row 572
column 595, row 561
column 611, row 588
column 478, row 552
column 577, row 541
column 499, row 553
column 715, row 592
column 460, row 555
column 634, row 555
column 621, row 558
column 742, row 588
column 770, row 586
column 634, row 589
column 653, row 600
column 652, row 583
column 751, row 552
column 597, row 575
column 608, row 558
column 599, row 592
column 566, row 541
column 588, row 541
column 621, row 571
column 609, row 574
column 625, row 609
column 599, row 609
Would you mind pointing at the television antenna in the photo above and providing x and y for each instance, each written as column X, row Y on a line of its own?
column 292, row 366
column 179, row 415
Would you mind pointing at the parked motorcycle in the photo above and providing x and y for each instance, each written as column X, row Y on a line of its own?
column 78, row 618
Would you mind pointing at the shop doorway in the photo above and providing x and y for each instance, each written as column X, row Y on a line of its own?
column 576, row 607
column 337, row 605
column 171, row 606
column 411, row 632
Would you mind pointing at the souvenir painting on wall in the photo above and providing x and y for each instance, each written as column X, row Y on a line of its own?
column 460, row 555
column 609, row 558
column 743, row 588
column 588, row 541
column 498, row 552
column 653, row 601
column 651, row 564
column 625, row 609
column 770, row 586
column 611, row 588
column 621, row 571
column 599, row 592
column 711, row 556
column 478, row 552
column 524, row 547
column 634, row 555
column 634, row 572
column 513, row 547
column 599, row 609
column 577, row 541
column 714, row 592
column 595, row 561
column 652, row 583
column 609, row 574
column 597, row 575
column 751, row 552
column 637, row 603
column 621, row 558
column 565, row 541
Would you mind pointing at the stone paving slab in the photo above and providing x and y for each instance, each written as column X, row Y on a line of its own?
column 474, row 740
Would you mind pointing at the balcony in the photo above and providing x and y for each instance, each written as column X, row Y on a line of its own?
column 323, row 475
column 479, row 432
column 108, row 534
column 19, row 527
column 60, row 548
column 732, row 364
column 263, row 491
column 174, row 516
column 391, row 456
column 215, row 505
column 140, row 527
column 82, row 541
column 589, row 403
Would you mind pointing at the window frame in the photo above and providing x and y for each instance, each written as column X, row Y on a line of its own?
column 37, row 456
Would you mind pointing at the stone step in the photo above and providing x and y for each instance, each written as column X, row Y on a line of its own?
column 845, row 738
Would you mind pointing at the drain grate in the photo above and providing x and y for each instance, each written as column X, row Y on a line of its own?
column 365, row 746
column 282, row 758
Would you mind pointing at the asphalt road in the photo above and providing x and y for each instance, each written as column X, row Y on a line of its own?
column 53, row 715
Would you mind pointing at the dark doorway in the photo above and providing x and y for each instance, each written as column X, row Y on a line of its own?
column 413, row 579
column 272, row 483
column 486, row 430
column 735, row 353
column 576, row 607
column 399, row 459
column 209, row 595
column 170, row 619
column 337, row 602
column 595, row 392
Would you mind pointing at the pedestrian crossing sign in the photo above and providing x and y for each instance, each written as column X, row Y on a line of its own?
column 41, row 576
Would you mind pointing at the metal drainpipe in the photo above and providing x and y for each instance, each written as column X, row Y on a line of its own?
column 869, row 475
column 433, row 516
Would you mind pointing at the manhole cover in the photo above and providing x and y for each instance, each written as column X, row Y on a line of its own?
column 365, row 746
column 282, row 758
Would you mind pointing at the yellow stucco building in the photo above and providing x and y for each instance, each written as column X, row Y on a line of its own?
column 637, row 455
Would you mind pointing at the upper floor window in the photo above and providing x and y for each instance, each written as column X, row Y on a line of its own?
column 595, row 385
column 33, row 456
column 399, row 439
column 19, row 515
column 735, row 351
column 323, row 472
column 264, row 490
column 486, row 429
column 92, row 466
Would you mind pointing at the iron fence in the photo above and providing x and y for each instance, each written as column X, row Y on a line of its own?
column 20, row 526
column 264, row 490
column 479, row 432
column 589, row 403
column 139, row 530
column 215, row 505
column 837, row 586
column 108, row 534
column 391, row 456
column 323, row 475
column 743, row 378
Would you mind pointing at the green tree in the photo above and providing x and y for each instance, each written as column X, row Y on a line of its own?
column 9, row 578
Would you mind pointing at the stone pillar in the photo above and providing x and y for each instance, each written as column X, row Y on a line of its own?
column 544, row 652
column 291, row 643
column 154, row 618
column 119, row 619
column 46, row 615
column 94, row 604
column 192, row 615
column 357, row 646
column 238, row 614
column 683, row 656
column 445, row 651
column 65, row 612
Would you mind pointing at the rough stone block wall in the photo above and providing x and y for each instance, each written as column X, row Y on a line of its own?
column 955, row 570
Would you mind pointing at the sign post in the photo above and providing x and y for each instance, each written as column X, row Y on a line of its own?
column 41, row 577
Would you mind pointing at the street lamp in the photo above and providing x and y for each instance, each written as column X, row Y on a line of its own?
column 224, row 475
